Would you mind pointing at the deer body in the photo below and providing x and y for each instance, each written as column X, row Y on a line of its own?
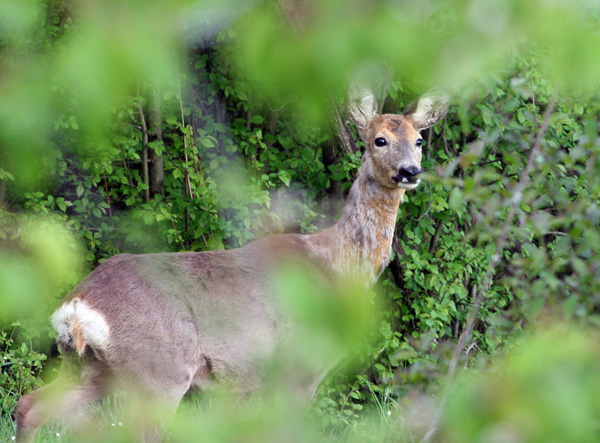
column 167, row 322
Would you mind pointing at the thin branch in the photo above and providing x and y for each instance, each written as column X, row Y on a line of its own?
column 427, row 149
column 110, row 215
column 557, row 233
column 496, row 160
column 444, row 141
column 429, row 206
column 2, row 193
column 107, row 196
column 145, row 175
column 138, row 127
column 434, row 239
column 188, row 183
column 175, row 228
column 495, row 260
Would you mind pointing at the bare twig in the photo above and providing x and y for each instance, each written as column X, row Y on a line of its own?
column 428, row 206
column 107, row 196
column 427, row 149
column 557, row 233
column 495, row 260
column 175, row 228
column 145, row 176
column 2, row 193
column 496, row 160
column 444, row 141
column 188, row 183
column 434, row 239
column 110, row 215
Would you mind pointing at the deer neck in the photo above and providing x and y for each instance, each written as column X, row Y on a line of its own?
column 362, row 238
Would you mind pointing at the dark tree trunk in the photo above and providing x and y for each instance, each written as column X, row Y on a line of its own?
column 336, row 197
column 2, row 194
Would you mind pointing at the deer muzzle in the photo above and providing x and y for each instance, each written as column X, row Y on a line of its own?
column 407, row 176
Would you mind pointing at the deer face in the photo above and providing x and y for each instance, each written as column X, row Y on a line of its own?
column 394, row 143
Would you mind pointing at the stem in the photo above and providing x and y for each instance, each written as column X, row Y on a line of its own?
column 434, row 239
column 2, row 194
column 157, row 172
column 145, row 176
column 107, row 197
column 175, row 228
column 188, row 183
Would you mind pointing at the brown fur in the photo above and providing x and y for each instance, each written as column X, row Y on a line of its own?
column 79, row 342
column 162, row 323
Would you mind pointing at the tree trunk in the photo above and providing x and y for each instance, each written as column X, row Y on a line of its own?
column 145, row 174
column 2, row 194
column 336, row 197
column 155, row 135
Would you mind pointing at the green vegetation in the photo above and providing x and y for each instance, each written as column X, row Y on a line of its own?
column 233, row 110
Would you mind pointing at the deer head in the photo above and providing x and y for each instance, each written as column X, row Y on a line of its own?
column 392, row 141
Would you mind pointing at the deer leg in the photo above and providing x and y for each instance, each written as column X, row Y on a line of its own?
column 37, row 408
column 56, row 399
column 151, row 411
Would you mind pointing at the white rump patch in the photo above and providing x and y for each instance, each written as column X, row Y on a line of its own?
column 92, row 323
column 62, row 319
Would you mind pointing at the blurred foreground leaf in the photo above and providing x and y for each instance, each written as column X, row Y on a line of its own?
column 39, row 259
column 547, row 389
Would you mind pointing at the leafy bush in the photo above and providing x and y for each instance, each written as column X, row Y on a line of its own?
column 240, row 163
column 21, row 367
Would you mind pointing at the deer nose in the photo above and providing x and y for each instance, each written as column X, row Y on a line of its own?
column 407, row 175
column 411, row 171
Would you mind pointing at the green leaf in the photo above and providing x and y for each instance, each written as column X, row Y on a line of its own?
column 456, row 199
column 207, row 142
column 285, row 177
column 257, row 119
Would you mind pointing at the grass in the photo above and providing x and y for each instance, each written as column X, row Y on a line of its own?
column 101, row 418
column 216, row 418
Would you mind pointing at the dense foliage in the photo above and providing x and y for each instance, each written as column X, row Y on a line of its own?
column 238, row 165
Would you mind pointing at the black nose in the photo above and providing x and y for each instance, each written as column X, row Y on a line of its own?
column 407, row 175
column 411, row 171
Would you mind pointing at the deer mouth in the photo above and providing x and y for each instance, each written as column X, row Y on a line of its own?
column 408, row 184
column 406, row 181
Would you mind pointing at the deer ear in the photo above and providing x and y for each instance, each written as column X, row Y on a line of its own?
column 362, row 106
column 428, row 110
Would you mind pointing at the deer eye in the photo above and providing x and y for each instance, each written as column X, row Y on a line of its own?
column 380, row 141
column 419, row 142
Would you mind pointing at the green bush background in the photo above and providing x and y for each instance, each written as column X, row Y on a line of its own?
column 249, row 149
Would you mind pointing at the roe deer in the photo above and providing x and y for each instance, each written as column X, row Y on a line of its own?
column 171, row 321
